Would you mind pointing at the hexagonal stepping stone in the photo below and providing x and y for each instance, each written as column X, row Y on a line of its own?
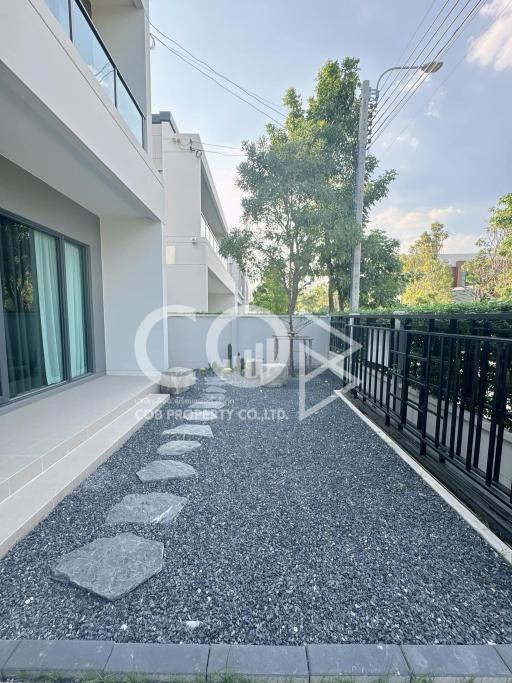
column 178, row 447
column 111, row 567
column 199, row 415
column 207, row 405
column 191, row 430
column 214, row 390
column 162, row 470
column 213, row 397
column 215, row 381
column 146, row 508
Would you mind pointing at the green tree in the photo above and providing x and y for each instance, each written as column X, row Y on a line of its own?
column 490, row 272
column 332, row 116
column 282, row 180
column 430, row 280
column 382, row 279
column 314, row 299
column 270, row 294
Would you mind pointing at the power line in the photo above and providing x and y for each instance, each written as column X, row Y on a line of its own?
column 262, row 100
column 409, row 42
column 232, row 92
column 391, row 115
column 422, row 56
column 431, row 99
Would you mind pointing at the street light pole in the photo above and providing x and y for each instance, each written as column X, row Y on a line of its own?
column 362, row 141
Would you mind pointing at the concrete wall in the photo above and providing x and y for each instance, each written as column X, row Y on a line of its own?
column 29, row 198
column 187, row 337
column 134, row 287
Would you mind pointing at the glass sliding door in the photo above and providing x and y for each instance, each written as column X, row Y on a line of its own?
column 31, row 308
column 76, row 313
column 43, row 309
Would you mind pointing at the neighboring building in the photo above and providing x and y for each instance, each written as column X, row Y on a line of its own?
column 461, row 292
column 197, row 275
column 81, row 243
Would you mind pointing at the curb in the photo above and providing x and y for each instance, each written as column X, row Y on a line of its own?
column 501, row 548
column 77, row 660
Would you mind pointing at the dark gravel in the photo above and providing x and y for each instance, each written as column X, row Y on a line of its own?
column 295, row 532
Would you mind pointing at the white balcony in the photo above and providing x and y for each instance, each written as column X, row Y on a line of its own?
column 74, row 137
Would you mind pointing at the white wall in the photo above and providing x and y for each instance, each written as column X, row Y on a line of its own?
column 187, row 336
column 133, row 287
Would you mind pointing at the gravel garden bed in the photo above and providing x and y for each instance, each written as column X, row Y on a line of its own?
column 294, row 531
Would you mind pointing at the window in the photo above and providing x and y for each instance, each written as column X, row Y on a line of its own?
column 43, row 306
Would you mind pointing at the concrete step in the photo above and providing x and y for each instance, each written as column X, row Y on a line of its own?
column 23, row 509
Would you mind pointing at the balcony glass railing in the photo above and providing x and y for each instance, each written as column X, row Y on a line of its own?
column 207, row 232
column 77, row 24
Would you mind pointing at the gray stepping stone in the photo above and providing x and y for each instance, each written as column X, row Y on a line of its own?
column 215, row 381
column 212, row 397
column 161, row 470
column 111, row 567
column 199, row 415
column 207, row 405
column 178, row 447
column 146, row 508
column 191, row 430
column 215, row 389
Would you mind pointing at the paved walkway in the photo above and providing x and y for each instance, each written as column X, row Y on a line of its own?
column 294, row 532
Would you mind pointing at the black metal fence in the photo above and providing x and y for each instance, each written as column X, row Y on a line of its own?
column 442, row 387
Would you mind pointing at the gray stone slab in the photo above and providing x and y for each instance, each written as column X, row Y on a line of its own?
column 373, row 662
column 264, row 662
column 214, row 389
column 162, row 470
column 215, row 381
column 190, row 430
column 7, row 647
column 63, row 659
column 178, row 447
column 199, row 415
column 505, row 652
column 212, row 397
column 208, row 405
column 147, row 508
column 452, row 663
column 155, row 662
column 111, row 567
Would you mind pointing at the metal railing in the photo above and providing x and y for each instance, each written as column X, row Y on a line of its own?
column 75, row 21
column 442, row 387
column 208, row 233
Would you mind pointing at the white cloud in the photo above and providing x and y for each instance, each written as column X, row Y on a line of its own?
column 494, row 46
column 408, row 225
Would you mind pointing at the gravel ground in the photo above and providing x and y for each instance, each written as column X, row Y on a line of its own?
column 295, row 532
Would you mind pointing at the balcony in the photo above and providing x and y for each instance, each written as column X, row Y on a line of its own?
column 75, row 21
column 208, row 233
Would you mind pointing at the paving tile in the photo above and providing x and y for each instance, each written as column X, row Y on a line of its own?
column 505, row 652
column 262, row 662
column 154, row 662
column 456, row 662
column 66, row 659
column 373, row 662
column 7, row 647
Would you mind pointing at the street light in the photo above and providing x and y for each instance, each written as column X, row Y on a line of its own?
column 428, row 68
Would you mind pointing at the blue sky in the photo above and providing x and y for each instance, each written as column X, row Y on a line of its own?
column 451, row 145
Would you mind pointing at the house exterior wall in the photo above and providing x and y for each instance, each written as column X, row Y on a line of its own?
column 25, row 196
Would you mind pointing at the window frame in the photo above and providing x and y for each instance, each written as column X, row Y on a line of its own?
column 61, row 238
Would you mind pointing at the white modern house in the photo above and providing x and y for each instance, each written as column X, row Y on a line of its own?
column 197, row 275
column 81, row 244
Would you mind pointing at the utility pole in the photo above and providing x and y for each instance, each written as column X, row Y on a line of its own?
column 359, row 191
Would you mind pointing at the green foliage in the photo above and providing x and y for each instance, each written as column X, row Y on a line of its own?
column 429, row 279
column 445, row 309
column 270, row 294
column 332, row 116
column 314, row 299
column 490, row 272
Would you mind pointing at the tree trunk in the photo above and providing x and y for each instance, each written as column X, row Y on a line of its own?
column 341, row 299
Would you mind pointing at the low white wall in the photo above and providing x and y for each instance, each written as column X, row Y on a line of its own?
column 249, row 335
